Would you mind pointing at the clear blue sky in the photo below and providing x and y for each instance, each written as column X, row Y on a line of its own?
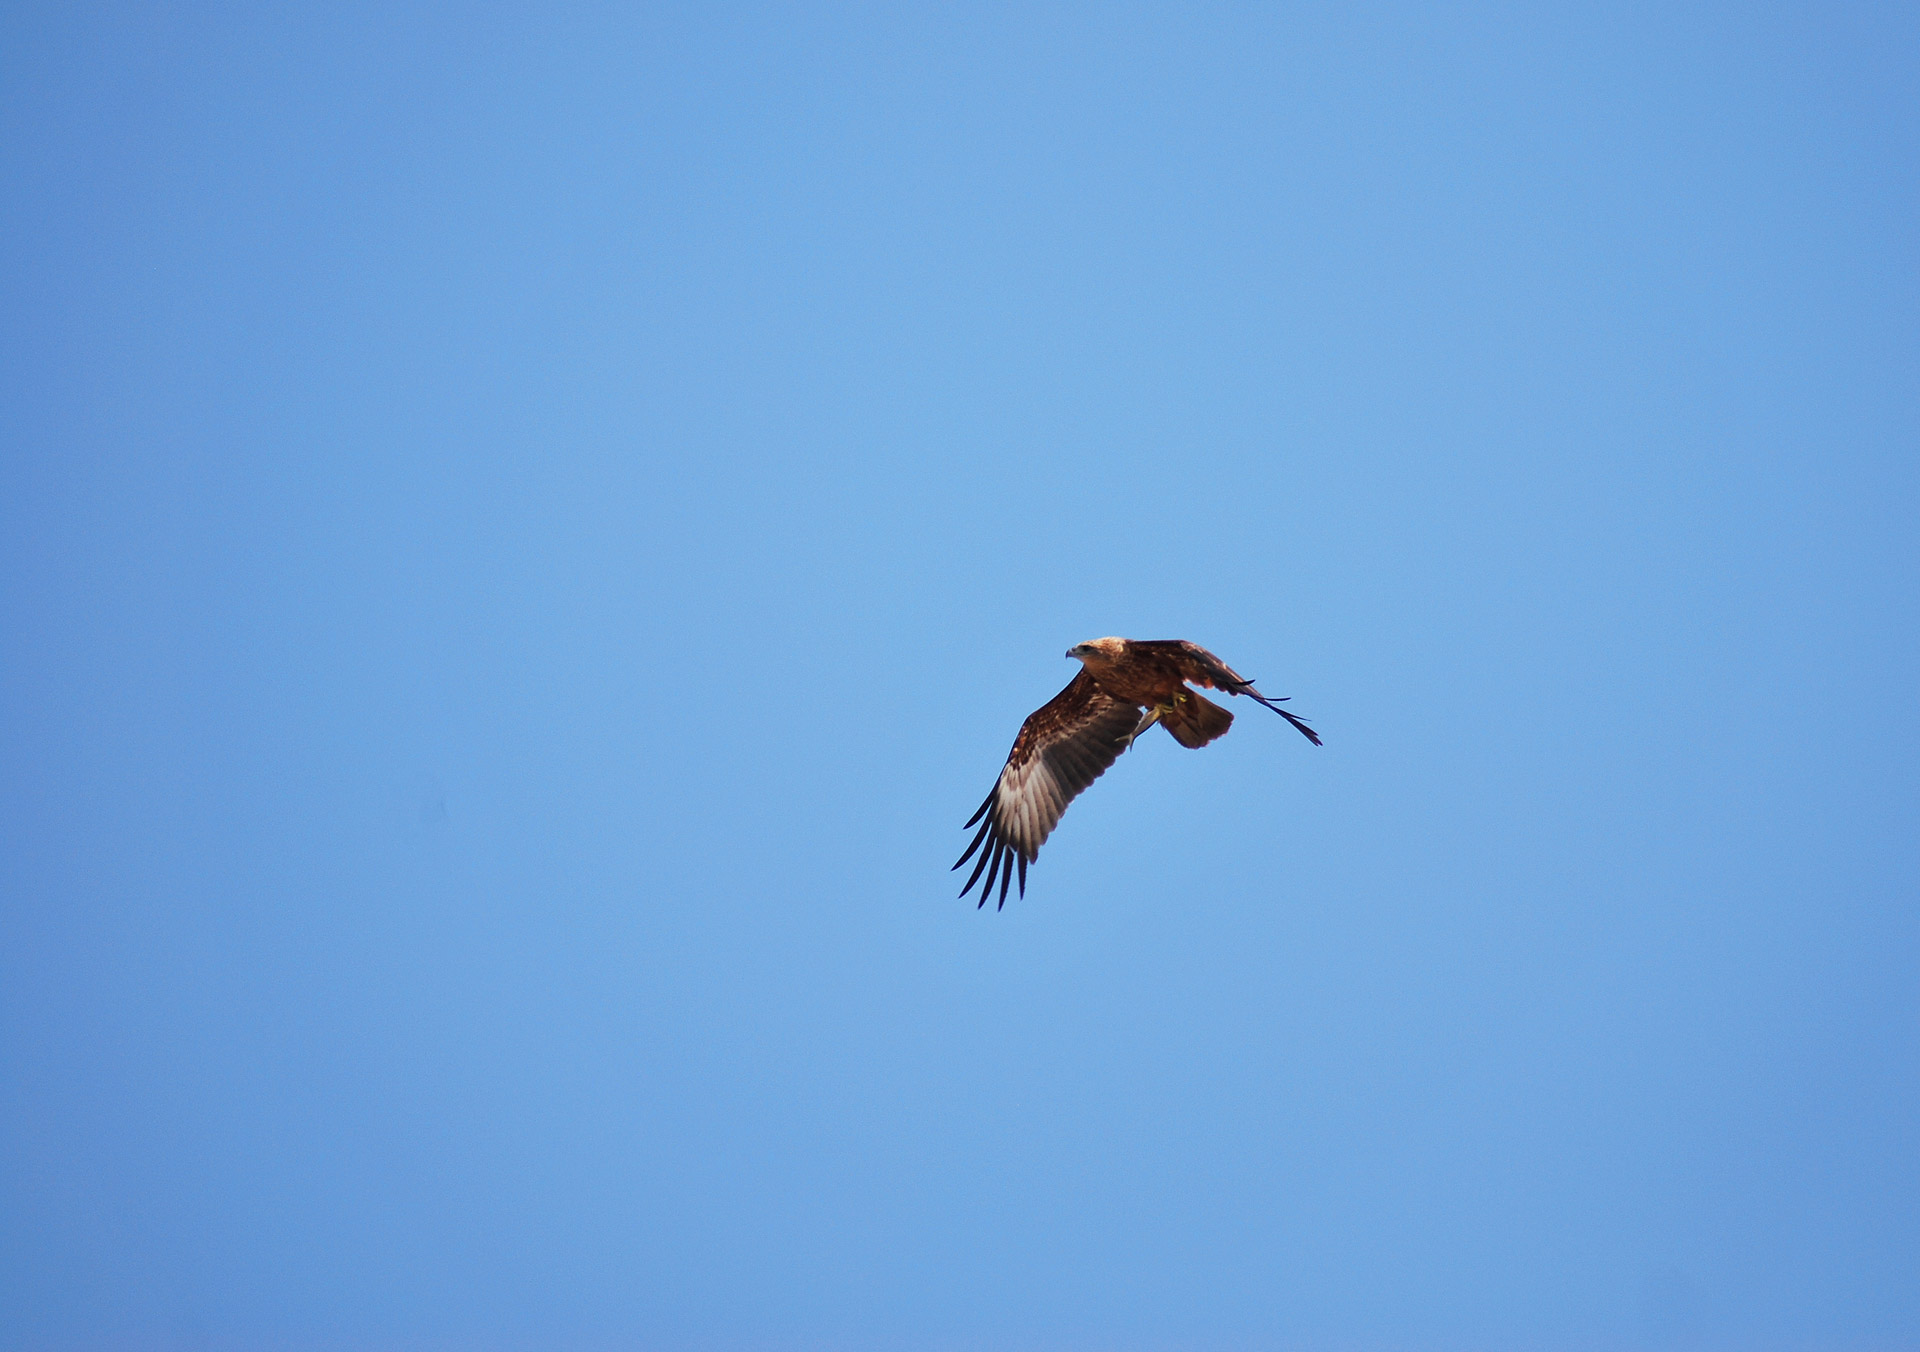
column 525, row 531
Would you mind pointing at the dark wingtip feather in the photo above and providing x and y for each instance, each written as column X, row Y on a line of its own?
column 1301, row 724
column 993, row 869
column 978, row 837
column 978, row 869
column 1273, row 703
column 1023, row 875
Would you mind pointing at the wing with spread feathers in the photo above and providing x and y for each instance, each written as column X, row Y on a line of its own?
column 1063, row 746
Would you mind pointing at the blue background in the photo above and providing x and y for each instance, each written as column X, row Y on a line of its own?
column 527, row 531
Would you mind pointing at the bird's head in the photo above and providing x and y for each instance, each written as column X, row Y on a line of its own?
column 1098, row 649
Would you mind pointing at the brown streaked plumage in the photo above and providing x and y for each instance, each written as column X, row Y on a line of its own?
column 1125, row 686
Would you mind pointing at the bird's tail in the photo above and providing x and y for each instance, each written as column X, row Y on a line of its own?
column 1194, row 720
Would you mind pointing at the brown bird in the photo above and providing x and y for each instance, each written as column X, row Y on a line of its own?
column 1125, row 686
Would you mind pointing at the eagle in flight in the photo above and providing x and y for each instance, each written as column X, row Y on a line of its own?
column 1125, row 686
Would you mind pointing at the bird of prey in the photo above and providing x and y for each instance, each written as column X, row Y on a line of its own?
column 1125, row 686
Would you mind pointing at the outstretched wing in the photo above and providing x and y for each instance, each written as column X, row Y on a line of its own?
column 1064, row 745
column 1196, row 664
